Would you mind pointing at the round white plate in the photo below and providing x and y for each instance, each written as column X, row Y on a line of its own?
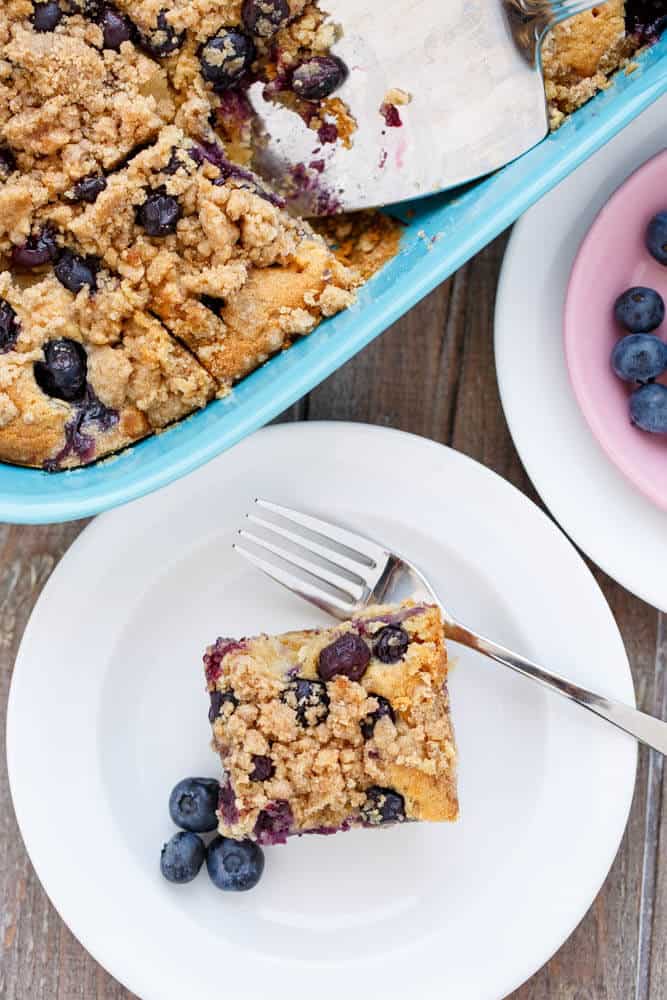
column 607, row 517
column 108, row 710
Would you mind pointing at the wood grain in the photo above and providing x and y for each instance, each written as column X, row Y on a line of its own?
column 431, row 374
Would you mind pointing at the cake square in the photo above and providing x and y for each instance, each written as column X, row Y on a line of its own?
column 324, row 730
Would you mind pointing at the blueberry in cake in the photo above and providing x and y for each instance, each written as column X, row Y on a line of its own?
column 143, row 267
column 324, row 730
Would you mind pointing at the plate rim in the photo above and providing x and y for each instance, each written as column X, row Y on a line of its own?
column 639, row 480
column 99, row 953
column 505, row 332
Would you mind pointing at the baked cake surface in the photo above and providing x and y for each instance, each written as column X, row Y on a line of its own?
column 323, row 730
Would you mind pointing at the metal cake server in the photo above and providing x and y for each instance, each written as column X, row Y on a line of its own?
column 343, row 572
column 471, row 69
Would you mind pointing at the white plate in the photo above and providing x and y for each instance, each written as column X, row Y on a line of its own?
column 108, row 710
column 621, row 530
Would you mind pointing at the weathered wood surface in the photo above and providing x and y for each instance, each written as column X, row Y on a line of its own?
column 433, row 374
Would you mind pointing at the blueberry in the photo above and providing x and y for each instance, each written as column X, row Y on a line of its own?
column 164, row 39
column 391, row 643
column 218, row 700
column 263, row 769
column 274, row 824
column 347, row 655
column 382, row 805
column 234, row 865
column 656, row 237
column 384, row 710
column 116, row 29
column 225, row 57
column 309, row 699
column 264, row 17
column 182, row 857
column 75, row 273
column 193, row 802
column 159, row 214
column 9, row 327
column 639, row 357
column 88, row 189
column 648, row 408
column 7, row 162
column 46, row 16
column 640, row 309
column 319, row 77
column 62, row 374
column 38, row 249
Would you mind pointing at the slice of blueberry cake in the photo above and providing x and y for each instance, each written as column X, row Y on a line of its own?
column 323, row 730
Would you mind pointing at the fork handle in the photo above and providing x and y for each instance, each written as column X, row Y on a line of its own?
column 645, row 728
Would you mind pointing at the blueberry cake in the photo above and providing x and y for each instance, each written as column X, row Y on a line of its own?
column 324, row 730
column 144, row 268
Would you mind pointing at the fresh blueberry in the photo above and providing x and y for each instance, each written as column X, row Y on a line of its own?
column 639, row 309
column 648, row 408
column 9, row 327
column 39, row 249
column 262, row 768
column 75, row 273
column 164, row 39
column 62, row 374
column 347, row 655
column 309, row 699
column 639, row 357
column 319, row 77
column 218, row 700
column 193, row 802
column 7, row 162
column 46, row 16
column 116, row 28
column 384, row 710
column 159, row 214
column 88, row 189
column 234, row 865
column 264, row 17
column 391, row 643
column 225, row 57
column 182, row 857
column 656, row 237
column 382, row 805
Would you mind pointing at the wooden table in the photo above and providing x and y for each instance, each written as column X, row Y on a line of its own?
column 433, row 374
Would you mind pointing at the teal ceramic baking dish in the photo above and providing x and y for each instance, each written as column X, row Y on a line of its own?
column 442, row 233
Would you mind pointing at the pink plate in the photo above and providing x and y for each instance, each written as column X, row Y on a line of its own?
column 611, row 259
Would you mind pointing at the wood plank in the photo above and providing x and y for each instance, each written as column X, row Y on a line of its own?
column 652, row 979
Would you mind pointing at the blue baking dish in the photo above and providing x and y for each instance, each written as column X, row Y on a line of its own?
column 442, row 233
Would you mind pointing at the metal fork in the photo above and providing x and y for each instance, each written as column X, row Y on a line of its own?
column 343, row 572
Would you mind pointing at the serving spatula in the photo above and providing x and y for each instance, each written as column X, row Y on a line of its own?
column 471, row 70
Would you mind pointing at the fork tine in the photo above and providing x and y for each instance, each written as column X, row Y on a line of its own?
column 356, row 547
column 331, row 556
column 320, row 573
column 299, row 586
